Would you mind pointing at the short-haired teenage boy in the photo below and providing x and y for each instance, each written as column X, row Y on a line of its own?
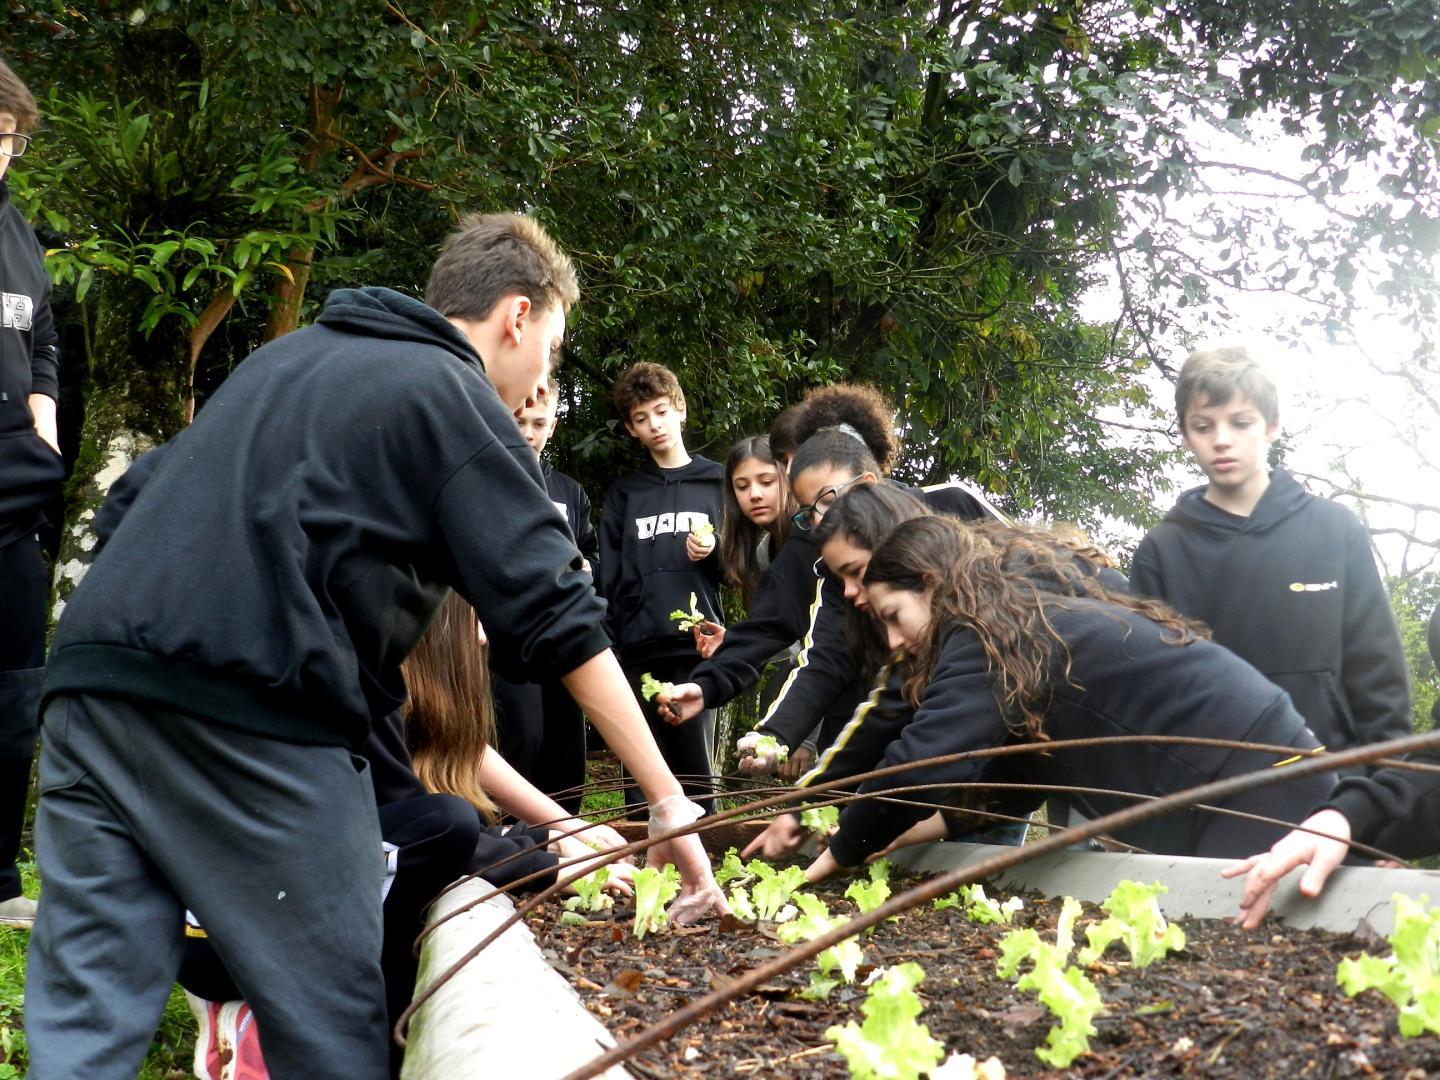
column 31, row 470
column 551, row 755
column 1285, row 580
column 216, row 672
column 657, row 548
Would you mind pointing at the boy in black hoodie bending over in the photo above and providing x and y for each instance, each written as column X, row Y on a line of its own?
column 216, row 672
column 658, row 550
column 1285, row 580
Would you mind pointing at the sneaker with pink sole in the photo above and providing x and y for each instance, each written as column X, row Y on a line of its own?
column 240, row 1057
column 207, row 1036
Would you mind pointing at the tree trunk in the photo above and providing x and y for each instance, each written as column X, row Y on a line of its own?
column 138, row 385
column 136, row 401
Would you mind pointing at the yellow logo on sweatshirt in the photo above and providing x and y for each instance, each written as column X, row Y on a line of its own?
column 1316, row 586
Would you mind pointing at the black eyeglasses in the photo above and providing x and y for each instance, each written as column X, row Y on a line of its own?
column 13, row 144
column 807, row 516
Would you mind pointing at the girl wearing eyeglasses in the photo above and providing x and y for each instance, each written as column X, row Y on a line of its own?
column 847, row 439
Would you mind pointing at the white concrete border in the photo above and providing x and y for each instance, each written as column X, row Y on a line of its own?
column 505, row 1014
column 1353, row 894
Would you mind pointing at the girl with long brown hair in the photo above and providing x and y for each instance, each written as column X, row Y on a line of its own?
column 1012, row 643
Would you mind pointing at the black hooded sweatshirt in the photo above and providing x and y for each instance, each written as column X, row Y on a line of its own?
column 644, row 573
column 567, row 494
column 294, row 542
column 1398, row 810
column 1125, row 678
column 798, row 599
column 1293, row 589
column 30, row 471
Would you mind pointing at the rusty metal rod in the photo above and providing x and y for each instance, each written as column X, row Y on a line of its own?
column 949, row 881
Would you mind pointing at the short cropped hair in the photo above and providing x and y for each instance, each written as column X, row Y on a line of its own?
column 16, row 98
column 644, row 382
column 1214, row 376
column 492, row 256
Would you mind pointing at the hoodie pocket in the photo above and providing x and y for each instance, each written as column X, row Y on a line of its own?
column 1317, row 698
column 665, row 591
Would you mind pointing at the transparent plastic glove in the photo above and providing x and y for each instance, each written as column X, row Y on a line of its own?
column 575, row 855
column 595, row 834
column 750, row 761
column 699, row 895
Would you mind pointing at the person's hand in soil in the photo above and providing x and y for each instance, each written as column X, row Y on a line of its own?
column 922, row 832
column 685, row 702
column 699, row 895
column 1321, row 854
column 593, row 834
column 749, row 760
column 577, row 855
column 782, row 836
column 797, row 764
column 708, row 636
column 823, row 867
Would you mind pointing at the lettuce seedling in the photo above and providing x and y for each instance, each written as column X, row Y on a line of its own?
column 813, row 921
column 1410, row 975
column 686, row 621
column 590, row 892
column 774, row 889
column 868, row 895
column 732, row 869
column 1135, row 919
column 653, row 890
column 650, row 686
column 740, row 905
column 891, row 1044
column 820, row 819
column 978, row 907
column 1065, row 991
column 768, row 745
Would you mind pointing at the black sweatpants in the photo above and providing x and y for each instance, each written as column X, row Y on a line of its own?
column 687, row 748
column 540, row 732
column 275, row 846
column 436, row 835
column 23, row 588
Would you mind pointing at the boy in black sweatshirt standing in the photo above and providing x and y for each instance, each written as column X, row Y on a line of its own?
column 551, row 755
column 31, row 470
column 215, row 675
column 1285, row 580
column 658, row 556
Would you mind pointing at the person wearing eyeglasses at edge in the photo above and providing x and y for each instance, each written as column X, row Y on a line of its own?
column 846, row 438
column 31, row 471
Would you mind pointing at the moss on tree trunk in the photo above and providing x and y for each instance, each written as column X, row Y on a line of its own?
column 136, row 401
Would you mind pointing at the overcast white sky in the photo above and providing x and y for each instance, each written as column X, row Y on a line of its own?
column 1338, row 411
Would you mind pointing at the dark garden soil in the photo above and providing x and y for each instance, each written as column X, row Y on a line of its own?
column 1232, row 1004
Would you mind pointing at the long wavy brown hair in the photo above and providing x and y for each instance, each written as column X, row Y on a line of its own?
column 995, row 579
column 450, row 715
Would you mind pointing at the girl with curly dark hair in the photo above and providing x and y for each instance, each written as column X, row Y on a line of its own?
column 1012, row 641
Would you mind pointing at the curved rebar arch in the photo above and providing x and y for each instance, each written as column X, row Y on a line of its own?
column 779, row 797
column 944, row 883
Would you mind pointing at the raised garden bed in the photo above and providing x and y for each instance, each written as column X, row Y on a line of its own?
column 1232, row 1004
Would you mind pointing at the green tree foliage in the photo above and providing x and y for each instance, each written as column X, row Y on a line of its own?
column 1414, row 599
column 764, row 196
